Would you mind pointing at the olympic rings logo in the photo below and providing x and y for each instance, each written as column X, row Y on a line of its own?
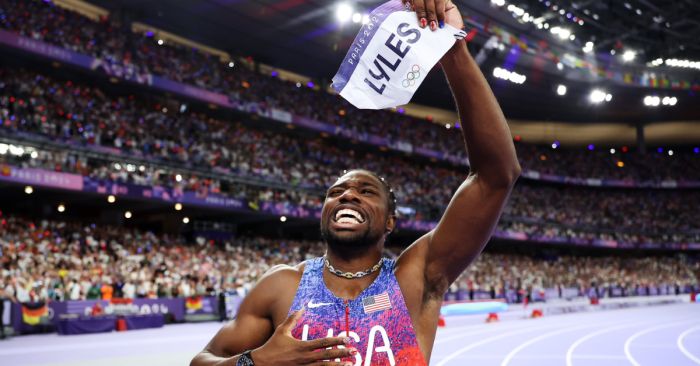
column 411, row 77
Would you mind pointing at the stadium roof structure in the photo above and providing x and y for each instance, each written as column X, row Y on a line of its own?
column 629, row 48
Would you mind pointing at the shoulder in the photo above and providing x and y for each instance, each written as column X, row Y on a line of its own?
column 281, row 275
column 413, row 257
column 272, row 295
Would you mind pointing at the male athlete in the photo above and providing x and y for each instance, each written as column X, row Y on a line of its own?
column 352, row 307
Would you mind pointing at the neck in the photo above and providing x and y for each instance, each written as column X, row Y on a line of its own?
column 350, row 288
column 354, row 261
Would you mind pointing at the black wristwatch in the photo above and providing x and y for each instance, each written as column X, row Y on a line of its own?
column 245, row 359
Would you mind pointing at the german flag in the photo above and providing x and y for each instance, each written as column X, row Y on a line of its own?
column 34, row 313
column 193, row 303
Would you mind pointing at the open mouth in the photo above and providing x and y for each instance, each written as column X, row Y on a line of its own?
column 348, row 216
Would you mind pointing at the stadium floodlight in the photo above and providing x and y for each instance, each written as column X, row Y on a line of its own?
column 588, row 48
column 343, row 12
column 563, row 33
column 629, row 56
column 356, row 18
column 509, row 75
column 561, row 90
column 127, row 214
column 178, row 206
column 61, row 208
column 651, row 101
column 598, row 96
column 28, row 189
column 160, row 42
column 365, row 19
column 34, row 155
column 111, row 198
column 185, row 220
column 283, row 218
column 498, row 2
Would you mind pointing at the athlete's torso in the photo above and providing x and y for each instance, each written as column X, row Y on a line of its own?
column 378, row 321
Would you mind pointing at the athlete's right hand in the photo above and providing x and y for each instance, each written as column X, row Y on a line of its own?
column 282, row 349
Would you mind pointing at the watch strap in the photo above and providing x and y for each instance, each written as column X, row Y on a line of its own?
column 245, row 359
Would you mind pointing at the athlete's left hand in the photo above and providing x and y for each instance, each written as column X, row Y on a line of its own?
column 436, row 13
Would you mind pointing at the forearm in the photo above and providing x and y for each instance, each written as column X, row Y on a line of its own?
column 487, row 136
column 206, row 358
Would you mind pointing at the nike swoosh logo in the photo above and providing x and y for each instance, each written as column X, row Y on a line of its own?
column 318, row 305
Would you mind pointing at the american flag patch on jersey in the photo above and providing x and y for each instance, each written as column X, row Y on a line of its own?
column 376, row 303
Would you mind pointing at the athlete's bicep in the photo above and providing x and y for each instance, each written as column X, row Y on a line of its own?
column 253, row 325
column 251, row 329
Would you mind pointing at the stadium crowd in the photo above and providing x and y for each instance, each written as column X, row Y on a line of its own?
column 202, row 152
column 43, row 107
column 44, row 259
column 109, row 39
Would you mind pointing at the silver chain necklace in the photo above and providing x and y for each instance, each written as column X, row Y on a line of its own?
column 350, row 275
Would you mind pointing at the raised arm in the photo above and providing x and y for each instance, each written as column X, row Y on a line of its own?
column 474, row 210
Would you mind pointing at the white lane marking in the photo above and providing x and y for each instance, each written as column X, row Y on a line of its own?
column 106, row 344
column 454, row 355
column 523, row 345
column 578, row 342
column 634, row 336
column 685, row 351
column 479, row 332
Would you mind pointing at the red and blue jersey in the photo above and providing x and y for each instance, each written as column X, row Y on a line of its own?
column 377, row 320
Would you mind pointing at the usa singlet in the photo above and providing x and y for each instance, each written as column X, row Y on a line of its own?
column 377, row 320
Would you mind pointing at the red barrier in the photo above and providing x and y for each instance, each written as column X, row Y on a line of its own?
column 537, row 313
column 441, row 321
column 121, row 325
column 493, row 317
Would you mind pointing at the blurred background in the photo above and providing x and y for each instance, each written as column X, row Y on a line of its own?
column 157, row 157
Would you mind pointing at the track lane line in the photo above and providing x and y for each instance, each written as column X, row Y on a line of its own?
column 578, row 342
column 634, row 336
column 679, row 343
column 454, row 355
column 524, row 345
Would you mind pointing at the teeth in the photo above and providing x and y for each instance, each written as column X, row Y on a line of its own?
column 346, row 211
column 348, row 220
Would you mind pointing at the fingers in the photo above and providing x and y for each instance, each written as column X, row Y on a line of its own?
column 291, row 321
column 332, row 363
column 419, row 7
column 335, row 353
column 327, row 342
column 430, row 12
column 440, row 6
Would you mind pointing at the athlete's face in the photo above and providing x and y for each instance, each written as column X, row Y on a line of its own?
column 355, row 212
